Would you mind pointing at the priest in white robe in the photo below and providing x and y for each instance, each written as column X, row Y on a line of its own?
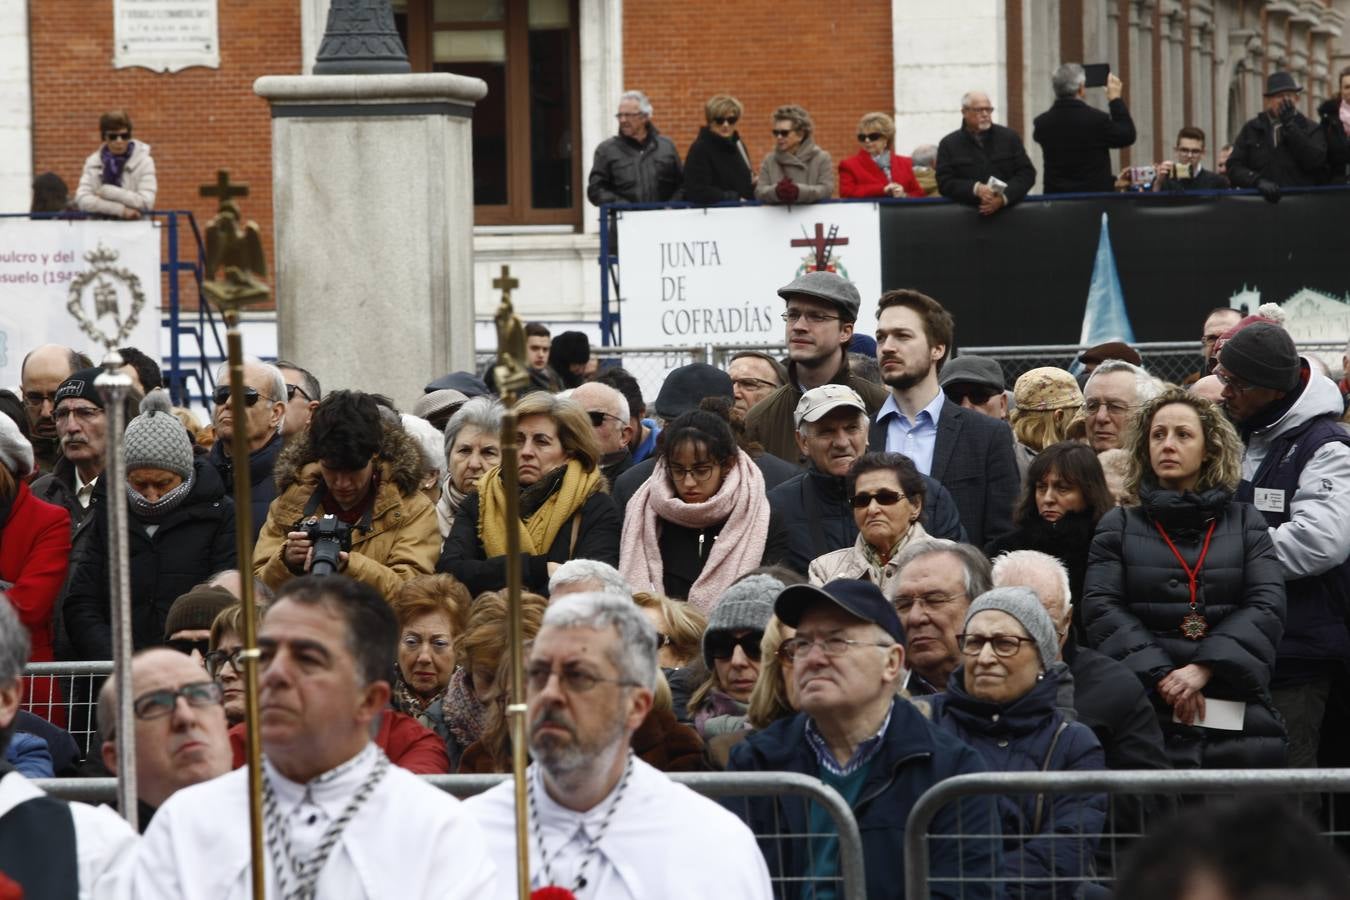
column 341, row 822
column 602, row 823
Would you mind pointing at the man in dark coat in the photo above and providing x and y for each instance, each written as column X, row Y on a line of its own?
column 877, row 750
column 1280, row 147
column 639, row 164
column 978, row 150
column 264, row 413
column 1190, row 153
column 1334, row 114
column 1077, row 139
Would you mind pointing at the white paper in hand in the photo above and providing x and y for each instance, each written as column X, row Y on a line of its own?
column 1225, row 715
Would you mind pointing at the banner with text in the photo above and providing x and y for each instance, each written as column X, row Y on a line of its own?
column 710, row 276
column 106, row 262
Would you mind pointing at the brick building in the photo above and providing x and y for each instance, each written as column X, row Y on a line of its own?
column 556, row 67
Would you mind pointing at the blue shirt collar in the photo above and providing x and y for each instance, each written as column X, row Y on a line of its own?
column 862, row 754
column 933, row 410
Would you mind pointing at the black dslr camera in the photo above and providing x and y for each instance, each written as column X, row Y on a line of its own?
column 330, row 536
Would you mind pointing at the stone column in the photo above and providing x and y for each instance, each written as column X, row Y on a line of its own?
column 372, row 187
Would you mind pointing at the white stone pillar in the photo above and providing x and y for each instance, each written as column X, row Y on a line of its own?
column 16, row 113
column 372, row 192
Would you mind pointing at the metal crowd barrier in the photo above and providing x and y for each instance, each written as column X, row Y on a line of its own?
column 1160, row 790
column 71, row 689
column 851, row 885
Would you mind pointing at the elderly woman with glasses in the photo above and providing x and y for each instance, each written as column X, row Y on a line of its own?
column 1002, row 701
column 430, row 610
column 119, row 177
column 797, row 171
column 222, row 660
column 876, row 170
column 886, row 492
column 717, row 168
column 1185, row 589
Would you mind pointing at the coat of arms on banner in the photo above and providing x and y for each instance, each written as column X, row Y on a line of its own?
column 116, row 295
column 821, row 258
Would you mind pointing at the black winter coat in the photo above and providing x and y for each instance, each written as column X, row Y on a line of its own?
column 717, row 169
column 1077, row 140
column 1298, row 161
column 1068, row 540
column 1338, row 143
column 963, row 160
column 192, row 543
column 682, row 560
column 463, row 557
column 1136, row 595
column 262, row 486
column 814, row 507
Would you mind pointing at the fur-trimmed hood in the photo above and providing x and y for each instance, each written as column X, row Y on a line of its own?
column 401, row 461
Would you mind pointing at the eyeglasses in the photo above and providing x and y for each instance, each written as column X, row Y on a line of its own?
column 726, row 120
column 781, row 132
column 797, row 648
column 978, row 395
column 1190, row 151
column 1231, row 383
column 1005, row 645
column 982, row 110
column 793, row 316
column 622, row 116
column 216, row 660
column 871, row 136
column 117, row 135
column 884, row 497
column 754, row 384
column 35, row 399
column 1210, row 338
column 598, row 418
column 573, row 681
column 722, row 644
column 293, row 389
column 158, row 704
column 222, row 396
column 934, row 601
column 82, row 413
column 187, row 645
column 699, row 473
column 1113, row 407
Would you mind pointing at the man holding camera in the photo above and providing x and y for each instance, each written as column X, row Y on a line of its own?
column 1279, row 148
column 349, row 502
column 1187, row 172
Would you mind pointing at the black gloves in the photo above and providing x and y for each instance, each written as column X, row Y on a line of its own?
column 1269, row 189
column 1287, row 112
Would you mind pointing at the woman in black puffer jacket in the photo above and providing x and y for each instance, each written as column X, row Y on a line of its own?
column 1191, row 639
column 717, row 168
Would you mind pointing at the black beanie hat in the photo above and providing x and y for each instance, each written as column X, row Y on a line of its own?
column 1263, row 355
column 81, row 384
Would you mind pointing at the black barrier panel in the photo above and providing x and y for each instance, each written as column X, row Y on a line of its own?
column 1022, row 276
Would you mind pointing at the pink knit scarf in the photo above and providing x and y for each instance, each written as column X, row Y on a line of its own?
column 739, row 503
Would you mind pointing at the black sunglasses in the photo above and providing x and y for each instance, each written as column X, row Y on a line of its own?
column 187, row 645
column 222, row 396
column 782, row 132
column 293, row 389
column 885, row 497
column 978, row 395
column 598, row 418
column 117, row 135
column 870, row 136
column 722, row 645
column 726, row 120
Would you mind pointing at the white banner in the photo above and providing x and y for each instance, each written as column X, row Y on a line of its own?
column 39, row 261
column 711, row 276
column 165, row 35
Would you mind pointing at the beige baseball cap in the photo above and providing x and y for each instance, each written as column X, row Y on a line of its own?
column 816, row 402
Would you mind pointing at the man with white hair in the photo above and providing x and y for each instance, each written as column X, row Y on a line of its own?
column 608, row 410
column 587, row 576
column 594, row 808
column 639, row 164
column 1076, row 138
column 264, row 412
column 980, row 153
column 1113, row 392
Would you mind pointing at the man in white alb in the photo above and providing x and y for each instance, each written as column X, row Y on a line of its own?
column 602, row 823
column 341, row 822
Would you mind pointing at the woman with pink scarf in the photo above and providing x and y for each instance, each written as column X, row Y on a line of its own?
column 701, row 520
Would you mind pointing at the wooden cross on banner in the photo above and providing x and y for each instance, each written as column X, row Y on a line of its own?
column 505, row 282
column 822, row 244
column 222, row 189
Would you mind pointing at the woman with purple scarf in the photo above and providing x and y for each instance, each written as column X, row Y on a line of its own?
column 119, row 177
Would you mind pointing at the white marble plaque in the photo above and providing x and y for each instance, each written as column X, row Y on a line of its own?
column 165, row 35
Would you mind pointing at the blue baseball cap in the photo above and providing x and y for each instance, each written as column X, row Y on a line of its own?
column 861, row 599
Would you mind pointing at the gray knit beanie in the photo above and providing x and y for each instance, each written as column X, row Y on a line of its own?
column 15, row 452
column 157, row 440
column 1024, row 606
column 746, row 606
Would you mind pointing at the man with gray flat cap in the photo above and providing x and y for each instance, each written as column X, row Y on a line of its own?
column 821, row 308
column 1280, row 147
column 976, row 382
column 874, row 748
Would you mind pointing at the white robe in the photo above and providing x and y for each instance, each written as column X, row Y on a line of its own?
column 101, row 835
column 408, row 841
column 664, row 841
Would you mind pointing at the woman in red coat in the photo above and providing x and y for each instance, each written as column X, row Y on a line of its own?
column 875, row 170
column 34, row 553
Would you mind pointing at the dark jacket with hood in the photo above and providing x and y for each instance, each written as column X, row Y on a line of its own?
column 770, row 424
column 913, row 757
column 717, row 169
column 629, row 171
column 1068, row 540
column 262, row 486
column 815, row 506
column 1338, row 142
column 1136, row 595
column 1043, row 835
column 1297, row 160
column 191, row 543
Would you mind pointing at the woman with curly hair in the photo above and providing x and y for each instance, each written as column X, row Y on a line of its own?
column 1185, row 588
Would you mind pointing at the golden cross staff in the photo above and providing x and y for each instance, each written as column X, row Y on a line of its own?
column 235, row 249
column 510, row 375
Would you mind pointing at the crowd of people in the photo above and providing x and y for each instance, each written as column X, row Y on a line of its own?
column 879, row 576
column 981, row 164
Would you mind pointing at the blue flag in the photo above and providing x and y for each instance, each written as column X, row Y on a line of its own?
column 1105, row 318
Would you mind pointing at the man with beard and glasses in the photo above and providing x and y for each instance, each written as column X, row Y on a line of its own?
column 914, row 334
column 596, row 812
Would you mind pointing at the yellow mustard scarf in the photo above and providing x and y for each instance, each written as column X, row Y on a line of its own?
column 539, row 530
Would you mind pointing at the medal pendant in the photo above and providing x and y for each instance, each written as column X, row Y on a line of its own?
column 1194, row 626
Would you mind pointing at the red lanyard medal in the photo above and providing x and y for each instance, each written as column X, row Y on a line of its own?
column 1193, row 625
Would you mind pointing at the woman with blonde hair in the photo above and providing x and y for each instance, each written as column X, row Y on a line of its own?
column 1185, row 589
column 775, row 693
column 679, row 639
column 1047, row 401
column 876, row 170
column 565, row 508
column 717, row 168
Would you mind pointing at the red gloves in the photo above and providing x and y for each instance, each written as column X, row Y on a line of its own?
column 787, row 191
